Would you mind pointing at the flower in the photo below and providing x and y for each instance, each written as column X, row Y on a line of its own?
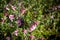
column 11, row 17
column 13, row 7
column 31, row 37
column 2, row 20
column 6, row 14
column 7, row 8
column 32, row 28
column 15, row 32
column 23, row 11
column 24, row 31
column 58, row 6
column 7, row 38
column 18, row 21
column 36, row 22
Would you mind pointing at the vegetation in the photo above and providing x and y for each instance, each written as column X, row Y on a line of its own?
column 29, row 19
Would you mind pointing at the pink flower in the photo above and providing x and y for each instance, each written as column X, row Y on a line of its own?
column 7, row 8
column 7, row 38
column 32, row 27
column 5, row 14
column 11, row 17
column 3, row 20
column 31, row 37
column 15, row 32
column 23, row 11
column 18, row 21
column 58, row 6
column 24, row 31
column 13, row 7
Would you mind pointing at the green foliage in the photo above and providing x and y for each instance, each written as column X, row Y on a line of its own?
column 45, row 11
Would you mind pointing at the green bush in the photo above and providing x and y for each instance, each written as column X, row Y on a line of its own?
column 29, row 19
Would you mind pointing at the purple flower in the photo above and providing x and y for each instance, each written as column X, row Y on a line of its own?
column 24, row 31
column 15, row 32
column 18, row 21
column 7, row 38
column 11, row 17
